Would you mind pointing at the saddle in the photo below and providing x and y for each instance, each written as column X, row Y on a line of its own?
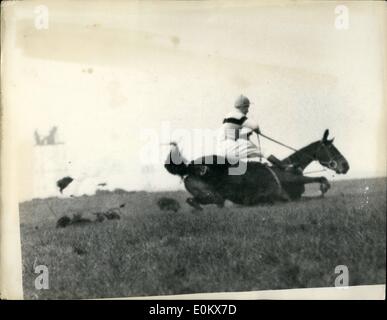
column 288, row 168
column 275, row 161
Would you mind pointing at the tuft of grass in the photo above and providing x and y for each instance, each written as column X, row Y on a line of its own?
column 154, row 252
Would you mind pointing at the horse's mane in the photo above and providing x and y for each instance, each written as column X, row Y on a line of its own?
column 302, row 157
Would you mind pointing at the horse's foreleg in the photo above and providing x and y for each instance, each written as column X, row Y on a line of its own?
column 324, row 184
column 289, row 179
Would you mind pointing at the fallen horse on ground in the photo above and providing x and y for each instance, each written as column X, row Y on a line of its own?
column 214, row 179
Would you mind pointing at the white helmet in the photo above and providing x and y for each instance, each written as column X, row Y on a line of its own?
column 242, row 101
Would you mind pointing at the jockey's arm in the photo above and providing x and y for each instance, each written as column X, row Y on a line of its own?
column 251, row 124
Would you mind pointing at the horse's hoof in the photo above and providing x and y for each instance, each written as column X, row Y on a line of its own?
column 193, row 203
column 220, row 205
column 284, row 196
column 324, row 187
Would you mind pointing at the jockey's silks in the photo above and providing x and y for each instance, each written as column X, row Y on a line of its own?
column 233, row 136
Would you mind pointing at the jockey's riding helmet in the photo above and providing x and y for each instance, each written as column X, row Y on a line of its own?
column 242, row 101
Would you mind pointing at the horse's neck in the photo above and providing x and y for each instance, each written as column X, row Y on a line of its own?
column 303, row 157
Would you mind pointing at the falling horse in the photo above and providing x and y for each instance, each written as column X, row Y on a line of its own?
column 213, row 179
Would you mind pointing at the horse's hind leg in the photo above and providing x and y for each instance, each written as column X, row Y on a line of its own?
column 202, row 193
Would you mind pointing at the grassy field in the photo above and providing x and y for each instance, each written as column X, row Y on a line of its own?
column 154, row 252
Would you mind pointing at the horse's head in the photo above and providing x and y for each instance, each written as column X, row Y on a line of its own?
column 329, row 156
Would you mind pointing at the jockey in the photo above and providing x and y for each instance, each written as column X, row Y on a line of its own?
column 233, row 139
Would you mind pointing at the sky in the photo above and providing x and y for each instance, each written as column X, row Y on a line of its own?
column 121, row 79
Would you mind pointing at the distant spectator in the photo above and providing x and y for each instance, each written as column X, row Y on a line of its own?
column 38, row 141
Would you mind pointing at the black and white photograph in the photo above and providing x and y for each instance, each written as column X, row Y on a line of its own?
column 186, row 148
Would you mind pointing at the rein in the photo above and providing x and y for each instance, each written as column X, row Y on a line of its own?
column 280, row 143
column 286, row 146
column 316, row 171
column 295, row 150
column 260, row 149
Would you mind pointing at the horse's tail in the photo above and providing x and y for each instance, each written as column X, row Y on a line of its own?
column 175, row 163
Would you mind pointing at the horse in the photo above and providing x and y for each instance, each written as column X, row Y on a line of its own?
column 214, row 179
